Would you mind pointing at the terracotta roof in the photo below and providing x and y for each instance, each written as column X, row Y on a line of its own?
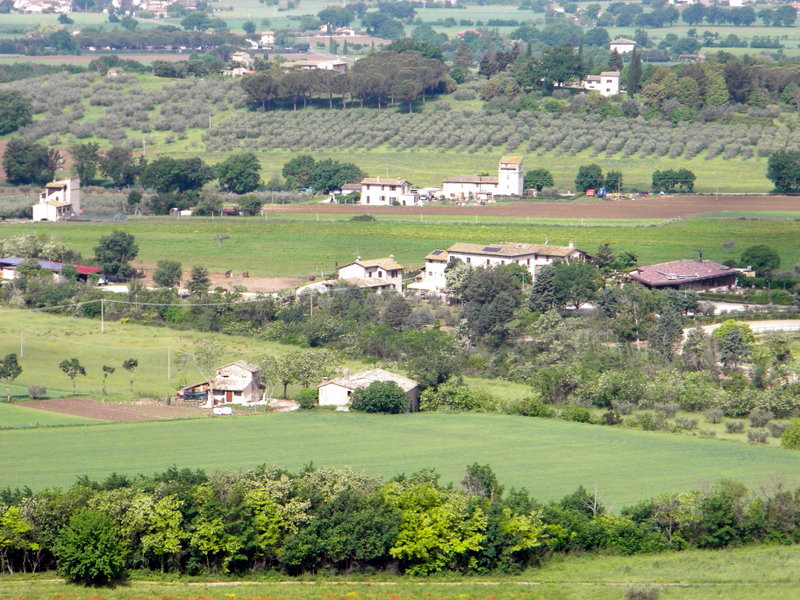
column 514, row 160
column 388, row 263
column 471, row 179
column 383, row 181
column 440, row 255
column 351, row 186
column 678, row 271
column 363, row 379
column 57, row 203
column 370, row 282
column 609, row 74
column 622, row 41
column 512, row 249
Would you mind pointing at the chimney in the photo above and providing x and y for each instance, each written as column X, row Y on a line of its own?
column 326, row 379
column 572, row 244
column 346, row 373
column 391, row 256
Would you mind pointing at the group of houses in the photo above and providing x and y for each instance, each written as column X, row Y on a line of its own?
column 388, row 191
column 238, row 384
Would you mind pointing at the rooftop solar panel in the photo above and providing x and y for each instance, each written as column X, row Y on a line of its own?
column 491, row 249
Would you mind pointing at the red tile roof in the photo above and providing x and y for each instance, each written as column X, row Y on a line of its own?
column 678, row 271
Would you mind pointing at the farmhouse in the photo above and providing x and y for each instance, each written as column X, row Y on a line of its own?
column 622, row 45
column 700, row 276
column 337, row 65
column 59, row 201
column 509, row 182
column 235, row 383
column 382, row 191
column 531, row 256
column 607, row 83
column 337, row 392
column 380, row 274
column 9, row 264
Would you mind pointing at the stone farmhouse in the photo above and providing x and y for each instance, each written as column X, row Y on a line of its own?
column 235, row 383
column 337, row 392
column 699, row 276
column 59, row 201
column 531, row 256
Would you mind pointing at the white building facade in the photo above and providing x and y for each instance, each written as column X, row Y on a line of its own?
column 382, row 191
column 385, row 273
column 59, row 201
column 607, row 83
column 509, row 182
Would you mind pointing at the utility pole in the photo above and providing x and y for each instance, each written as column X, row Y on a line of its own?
column 169, row 363
column 102, row 315
column 21, row 345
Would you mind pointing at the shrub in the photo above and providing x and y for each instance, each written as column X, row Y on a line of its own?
column 612, row 418
column 531, row 407
column 734, row 426
column 577, row 413
column 367, row 218
column 307, row 398
column 760, row 417
column 776, row 429
column 708, row 432
column 758, row 436
column 649, row 421
column 88, row 550
column 713, row 415
column 37, row 392
column 686, row 423
column 668, row 408
column 454, row 395
column 642, row 591
column 623, row 407
column 380, row 397
column 790, row 438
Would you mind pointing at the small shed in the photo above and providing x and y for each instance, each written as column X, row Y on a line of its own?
column 337, row 392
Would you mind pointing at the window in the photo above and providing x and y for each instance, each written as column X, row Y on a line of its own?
column 469, row 260
column 383, row 198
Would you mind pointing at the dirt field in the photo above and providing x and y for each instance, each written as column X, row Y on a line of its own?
column 143, row 410
column 253, row 284
column 652, row 207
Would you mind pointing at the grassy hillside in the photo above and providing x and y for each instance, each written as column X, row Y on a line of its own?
column 303, row 247
column 549, row 457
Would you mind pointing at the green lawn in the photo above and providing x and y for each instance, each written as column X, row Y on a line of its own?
column 20, row 417
column 549, row 457
column 300, row 248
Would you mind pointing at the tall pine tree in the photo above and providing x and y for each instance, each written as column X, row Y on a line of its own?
column 634, row 73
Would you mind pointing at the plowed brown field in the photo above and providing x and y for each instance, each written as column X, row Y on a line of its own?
column 651, row 207
column 143, row 410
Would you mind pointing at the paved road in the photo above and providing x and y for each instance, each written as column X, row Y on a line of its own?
column 759, row 326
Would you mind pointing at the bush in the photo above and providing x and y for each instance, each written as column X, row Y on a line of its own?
column 734, row 426
column 88, row 550
column 308, row 398
column 714, row 415
column 668, row 408
column 380, row 397
column 776, row 429
column 454, row 395
column 530, row 407
column 642, row 591
column 760, row 417
column 577, row 413
column 758, row 436
column 790, row 438
column 649, row 421
column 612, row 418
column 364, row 218
column 686, row 423
column 37, row 392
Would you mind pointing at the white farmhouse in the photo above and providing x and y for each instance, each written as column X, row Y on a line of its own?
column 531, row 256
column 607, row 83
column 235, row 383
column 509, row 182
column 382, row 191
column 337, row 392
column 59, row 201
column 380, row 274
column 622, row 46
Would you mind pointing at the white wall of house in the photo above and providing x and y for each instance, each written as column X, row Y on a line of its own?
column 384, row 193
column 357, row 271
column 466, row 190
column 331, row 394
column 434, row 275
column 510, row 179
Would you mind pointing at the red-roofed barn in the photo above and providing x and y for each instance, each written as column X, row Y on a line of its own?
column 698, row 276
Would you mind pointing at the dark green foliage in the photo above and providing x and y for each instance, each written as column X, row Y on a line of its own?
column 380, row 397
column 86, row 160
column 763, row 259
column 353, row 531
column 88, row 550
column 239, row 173
column 589, row 177
column 671, row 180
column 72, row 367
column 538, row 179
column 15, row 111
column 249, row 205
column 115, row 251
column 29, row 162
column 564, row 283
column 176, row 174
column 9, row 371
column 168, row 273
column 199, row 281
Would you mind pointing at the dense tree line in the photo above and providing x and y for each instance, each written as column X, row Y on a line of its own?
column 323, row 518
column 379, row 78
